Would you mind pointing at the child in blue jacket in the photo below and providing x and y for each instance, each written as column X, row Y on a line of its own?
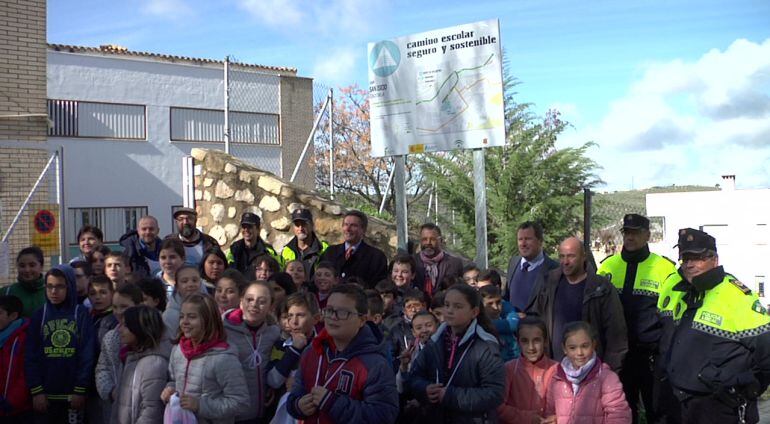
column 505, row 320
column 61, row 346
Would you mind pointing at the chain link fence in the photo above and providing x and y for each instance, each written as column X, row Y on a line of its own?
column 254, row 117
column 29, row 212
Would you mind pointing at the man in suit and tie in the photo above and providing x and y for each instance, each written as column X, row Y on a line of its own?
column 354, row 257
column 527, row 269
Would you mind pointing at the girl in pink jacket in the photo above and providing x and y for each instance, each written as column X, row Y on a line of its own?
column 527, row 377
column 585, row 390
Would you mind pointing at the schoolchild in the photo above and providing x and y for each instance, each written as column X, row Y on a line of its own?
column 298, row 274
column 212, row 266
column 252, row 333
column 204, row 371
column 229, row 289
column 584, row 389
column 187, row 282
column 153, row 293
column 345, row 377
column 97, row 260
column 401, row 335
column 100, row 293
column 437, row 305
column 145, row 372
column 60, row 356
column 171, row 258
column 109, row 366
column 324, row 282
column 302, row 314
column 506, row 322
column 116, row 268
column 30, row 284
column 15, row 401
column 459, row 375
column 528, row 376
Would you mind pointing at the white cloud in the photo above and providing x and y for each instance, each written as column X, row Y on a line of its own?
column 168, row 9
column 277, row 14
column 326, row 18
column 687, row 122
column 337, row 67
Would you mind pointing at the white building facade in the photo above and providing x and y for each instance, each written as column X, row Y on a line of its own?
column 126, row 119
column 737, row 219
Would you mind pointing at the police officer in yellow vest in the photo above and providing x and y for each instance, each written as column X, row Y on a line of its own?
column 305, row 246
column 638, row 275
column 716, row 337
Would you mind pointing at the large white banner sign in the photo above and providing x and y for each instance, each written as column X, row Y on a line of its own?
column 437, row 90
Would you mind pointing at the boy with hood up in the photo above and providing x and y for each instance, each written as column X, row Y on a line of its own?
column 60, row 355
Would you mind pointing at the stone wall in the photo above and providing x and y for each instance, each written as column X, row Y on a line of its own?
column 225, row 187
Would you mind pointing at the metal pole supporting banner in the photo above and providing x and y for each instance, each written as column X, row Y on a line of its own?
column 331, row 143
column 480, row 192
column 63, row 258
column 387, row 189
column 399, row 190
column 227, row 104
column 310, row 138
column 587, row 219
column 188, row 182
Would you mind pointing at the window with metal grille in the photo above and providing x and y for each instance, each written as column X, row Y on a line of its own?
column 73, row 118
column 114, row 222
column 207, row 125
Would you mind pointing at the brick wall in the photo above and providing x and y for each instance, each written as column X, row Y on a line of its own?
column 22, row 113
column 296, row 121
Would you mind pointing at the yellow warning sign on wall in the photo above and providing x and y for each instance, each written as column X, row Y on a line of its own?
column 44, row 227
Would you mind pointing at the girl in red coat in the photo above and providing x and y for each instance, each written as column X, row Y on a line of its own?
column 15, row 401
column 528, row 376
column 585, row 390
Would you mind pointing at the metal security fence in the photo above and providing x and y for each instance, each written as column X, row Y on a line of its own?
column 30, row 212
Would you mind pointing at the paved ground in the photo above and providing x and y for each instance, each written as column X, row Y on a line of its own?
column 764, row 410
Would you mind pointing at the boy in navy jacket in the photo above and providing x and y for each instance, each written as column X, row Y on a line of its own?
column 344, row 375
column 60, row 355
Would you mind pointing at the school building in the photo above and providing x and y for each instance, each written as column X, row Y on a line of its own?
column 126, row 120
column 737, row 219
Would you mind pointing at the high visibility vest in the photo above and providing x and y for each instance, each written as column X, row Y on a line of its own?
column 650, row 273
column 729, row 310
column 288, row 255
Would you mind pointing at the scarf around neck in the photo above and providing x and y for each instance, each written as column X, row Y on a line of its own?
column 577, row 375
column 431, row 265
column 191, row 352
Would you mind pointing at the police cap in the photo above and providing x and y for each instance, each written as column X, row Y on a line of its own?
column 302, row 215
column 634, row 221
column 249, row 218
column 695, row 241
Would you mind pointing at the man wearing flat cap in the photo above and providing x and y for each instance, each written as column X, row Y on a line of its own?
column 195, row 242
column 305, row 247
column 638, row 275
column 243, row 252
column 716, row 338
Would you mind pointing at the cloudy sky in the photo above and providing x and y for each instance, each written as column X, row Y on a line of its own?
column 674, row 92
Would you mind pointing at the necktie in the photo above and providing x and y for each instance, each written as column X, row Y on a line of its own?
column 525, row 267
column 349, row 252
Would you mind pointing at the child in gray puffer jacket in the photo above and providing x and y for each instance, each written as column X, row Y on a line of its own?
column 204, row 369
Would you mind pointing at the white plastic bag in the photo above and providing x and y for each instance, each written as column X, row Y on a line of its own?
column 281, row 414
column 175, row 414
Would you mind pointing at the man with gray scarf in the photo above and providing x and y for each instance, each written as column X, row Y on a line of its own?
column 195, row 242
column 433, row 263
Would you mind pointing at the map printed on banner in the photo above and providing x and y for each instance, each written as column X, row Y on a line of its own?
column 437, row 90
